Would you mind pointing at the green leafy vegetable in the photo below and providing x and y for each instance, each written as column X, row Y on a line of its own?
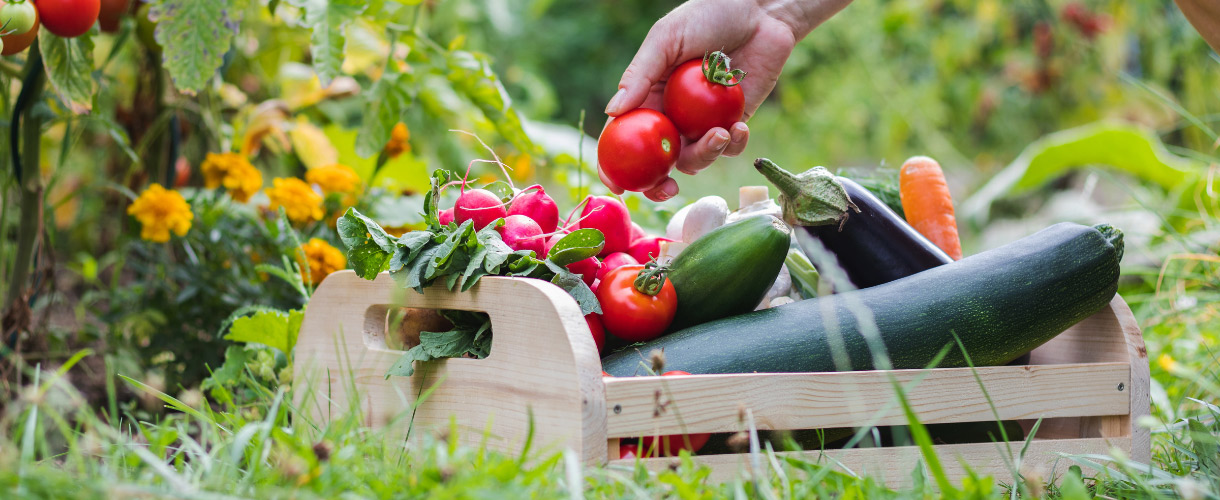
column 386, row 105
column 470, row 336
column 328, row 18
column 577, row 246
column 69, row 64
column 195, row 36
column 271, row 328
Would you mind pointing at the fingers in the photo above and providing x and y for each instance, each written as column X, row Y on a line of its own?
column 698, row 155
column 740, row 134
column 606, row 180
column 667, row 189
column 650, row 64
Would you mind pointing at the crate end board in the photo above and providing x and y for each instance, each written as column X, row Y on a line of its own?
column 543, row 365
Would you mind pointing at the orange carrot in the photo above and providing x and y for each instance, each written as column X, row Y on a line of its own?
column 928, row 204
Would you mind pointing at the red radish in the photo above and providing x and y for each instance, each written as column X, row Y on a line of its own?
column 550, row 242
column 670, row 445
column 599, row 332
column 480, row 206
column 521, row 233
column 587, row 269
column 594, row 286
column 647, row 248
column 534, row 203
column 446, row 216
column 628, row 450
column 615, row 261
column 637, row 232
column 609, row 216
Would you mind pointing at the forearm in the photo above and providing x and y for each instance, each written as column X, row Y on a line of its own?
column 802, row 16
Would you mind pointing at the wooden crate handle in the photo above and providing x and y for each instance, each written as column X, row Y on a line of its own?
column 543, row 364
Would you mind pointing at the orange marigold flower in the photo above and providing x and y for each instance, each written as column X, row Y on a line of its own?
column 160, row 211
column 335, row 178
column 398, row 141
column 234, row 172
column 300, row 202
column 320, row 259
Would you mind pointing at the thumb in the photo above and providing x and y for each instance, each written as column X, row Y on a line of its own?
column 647, row 68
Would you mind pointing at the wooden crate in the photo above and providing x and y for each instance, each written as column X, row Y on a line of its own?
column 1090, row 384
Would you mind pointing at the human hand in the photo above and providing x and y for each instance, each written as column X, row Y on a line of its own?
column 757, row 35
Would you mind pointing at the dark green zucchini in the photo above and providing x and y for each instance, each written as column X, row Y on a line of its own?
column 1002, row 303
column 729, row 270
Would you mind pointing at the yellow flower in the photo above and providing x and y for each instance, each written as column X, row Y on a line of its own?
column 398, row 141
column 334, row 178
column 522, row 166
column 321, row 259
column 160, row 211
column 234, row 172
column 1167, row 362
column 300, row 201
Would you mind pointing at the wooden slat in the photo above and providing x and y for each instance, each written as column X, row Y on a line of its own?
column 895, row 465
column 711, row 403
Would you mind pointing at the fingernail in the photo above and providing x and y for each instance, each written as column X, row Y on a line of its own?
column 615, row 102
column 719, row 141
column 741, row 128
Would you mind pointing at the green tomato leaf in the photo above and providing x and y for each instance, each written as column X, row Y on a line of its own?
column 328, row 19
column 471, row 76
column 69, row 67
column 577, row 246
column 386, row 105
column 195, row 36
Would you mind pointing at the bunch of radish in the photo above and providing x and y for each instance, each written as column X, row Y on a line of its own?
column 530, row 221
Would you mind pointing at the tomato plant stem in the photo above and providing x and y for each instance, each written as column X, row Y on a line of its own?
column 31, row 180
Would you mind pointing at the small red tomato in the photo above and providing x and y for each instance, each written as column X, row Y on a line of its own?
column 182, row 172
column 628, row 450
column 17, row 42
column 670, row 445
column 703, row 94
column 598, row 331
column 111, row 12
column 68, row 18
column 638, row 149
column 630, row 314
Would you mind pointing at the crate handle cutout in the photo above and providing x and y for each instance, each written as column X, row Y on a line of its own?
column 544, row 363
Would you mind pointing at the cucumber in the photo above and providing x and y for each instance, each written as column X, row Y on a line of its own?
column 1002, row 303
column 729, row 270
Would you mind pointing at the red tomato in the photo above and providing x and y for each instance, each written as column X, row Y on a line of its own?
column 670, row 445
column 628, row 450
column 182, row 172
column 112, row 11
column 630, row 314
column 696, row 103
column 69, row 18
column 15, row 43
column 598, row 331
column 638, row 149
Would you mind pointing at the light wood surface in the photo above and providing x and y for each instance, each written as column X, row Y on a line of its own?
column 710, row 403
column 895, row 465
column 543, row 365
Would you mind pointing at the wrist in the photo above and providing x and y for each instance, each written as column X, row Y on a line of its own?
column 801, row 16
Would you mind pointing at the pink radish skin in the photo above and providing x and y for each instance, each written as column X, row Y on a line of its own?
column 480, row 206
column 521, row 233
column 637, row 232
column 534, row 203
column 647, row 248
column 587, row 269
column 609, row 216
column 446, row 216
column 615, row 261
column 599, row 332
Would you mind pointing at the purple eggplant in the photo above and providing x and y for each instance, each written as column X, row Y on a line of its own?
column 873, row 245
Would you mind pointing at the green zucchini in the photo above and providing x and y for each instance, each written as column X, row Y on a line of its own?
column 1001, row 303
column 729, row 270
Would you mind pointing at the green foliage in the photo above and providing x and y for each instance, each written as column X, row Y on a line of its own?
column 195, row 37
column 328, row 19
column 386, row 105
column 69, row 64
column 270, row 328
column 470, row 336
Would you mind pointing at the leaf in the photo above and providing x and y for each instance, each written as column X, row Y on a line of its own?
column 1130, row 148
column 368, row 260
column 577, row 246
column 386, row 105
column 431, row 213
column 405, row 366
column 270, row 328
column 576, row 287
column 327, row 19
column 69, row 67
column 311, row 144
column 501, row 189
column 355, row 228
column 471, row 75
column 195, row 36
column 229, row 373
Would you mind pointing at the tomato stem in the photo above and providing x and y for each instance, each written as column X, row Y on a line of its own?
column 716, row 70
column 651, row 279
